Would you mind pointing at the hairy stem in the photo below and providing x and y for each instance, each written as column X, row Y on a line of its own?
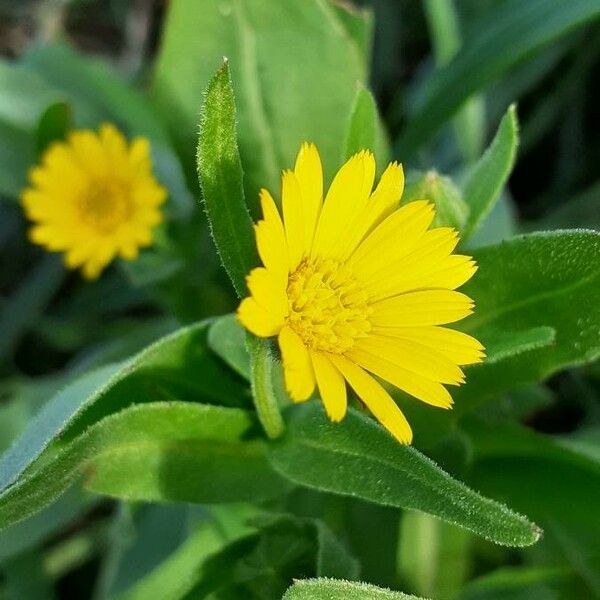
column 265, row 400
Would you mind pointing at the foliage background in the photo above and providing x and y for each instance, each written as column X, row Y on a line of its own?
column 534, row 447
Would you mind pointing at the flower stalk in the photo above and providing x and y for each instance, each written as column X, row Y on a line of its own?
column 261, row 378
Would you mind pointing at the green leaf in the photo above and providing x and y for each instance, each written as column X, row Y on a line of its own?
column 505, row 439
column 485, row 181
column 513, row 461
column 221, row 177
column 358, row 458
column 501, row 344
column 25, row 577
column 178, row 365
column 260, row 565
column 365, row 130
column 520, row 30
column 358, row 22
column 227, row 338
column 444, row 31
column 583, row 210
column 541, row 280
column 95, row 90
column 361, row 130
column 204, row 467
column 47, row 524
column 54, row 125
column 286, row 93
column 433, row 557
column 499, row 225
column 518, row 583
column 17, row 155
column 333, row 559
column 25, row 96
column 25, row 307
column 176, row 575
column 332, row 589
column 49, row 422
column 175, row 451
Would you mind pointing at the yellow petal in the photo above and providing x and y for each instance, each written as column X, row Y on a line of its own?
column 293, row 217
column 456, row 346
column 257, row 319
column 90, row 153
column 425, row 307
column 380, row 205
column 409, row 356
column 378, row 401
column 394, row 238
column 450, row 273
column 268, row 292
column 309, row 173
column 114, row 143
column 439, row 270
column 346, row 198
column 297, row 366
column 139, row 155
column 270, row 237
column 95, row 197
column 415, row 385
column 387, row 194
column 331, row 386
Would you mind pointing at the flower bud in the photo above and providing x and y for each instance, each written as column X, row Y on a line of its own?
column 451, row 209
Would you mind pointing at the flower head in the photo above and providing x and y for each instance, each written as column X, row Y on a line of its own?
column 94, row 197
column 356, row 288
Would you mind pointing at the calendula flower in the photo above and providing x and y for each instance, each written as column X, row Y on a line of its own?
column 356, row 289
column 94, row 197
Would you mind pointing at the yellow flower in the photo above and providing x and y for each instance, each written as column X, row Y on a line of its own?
column 94, row 197
column 356, row 288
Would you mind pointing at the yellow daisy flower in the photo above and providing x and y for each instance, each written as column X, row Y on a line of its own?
column 356, row 289
column 94, row 197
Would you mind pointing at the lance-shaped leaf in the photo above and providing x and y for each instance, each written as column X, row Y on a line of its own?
column 177, row 366
column 359, row 458
column 544, row 286
column 164, row 451
column 286, row 93
column 364, row 128
column 335, row 589
column 489, row 175
column 522, row 27
column 221, row 180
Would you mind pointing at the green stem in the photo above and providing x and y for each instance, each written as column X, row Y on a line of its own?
column 261, row 367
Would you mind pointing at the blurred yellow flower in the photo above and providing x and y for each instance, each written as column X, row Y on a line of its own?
column 355, row 287
column 94, row 197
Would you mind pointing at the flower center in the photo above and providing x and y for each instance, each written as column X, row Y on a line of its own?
column 328, row 308
column 105, row 205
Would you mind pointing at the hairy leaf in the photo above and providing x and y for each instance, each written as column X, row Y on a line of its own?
column 227, row 338
column 488, row 176
column 525, row 286
column 359, row 458
column 364, row 129
column 501, row 344
column 221, row 177
column 335, row 589
column 176, row 451
column 176, row 366
column 54, row 124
